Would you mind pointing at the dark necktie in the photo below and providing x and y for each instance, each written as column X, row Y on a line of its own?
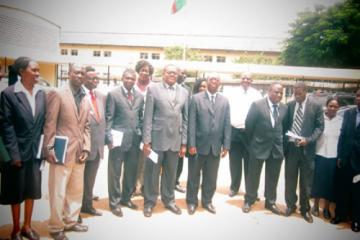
column 213, row 100
column 297, row 124
column 275, row 112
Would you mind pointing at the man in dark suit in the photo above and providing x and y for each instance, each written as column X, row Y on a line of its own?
column 97, row 126
column 124, row 111
column 348, row 172
column 264, row 131
column 305, row 118
column 165, row 132
column 209, row 138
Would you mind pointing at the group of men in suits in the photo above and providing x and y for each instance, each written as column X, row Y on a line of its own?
column 266, row 124
column 171, row 122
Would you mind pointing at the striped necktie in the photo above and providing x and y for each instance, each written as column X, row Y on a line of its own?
column 297, row 124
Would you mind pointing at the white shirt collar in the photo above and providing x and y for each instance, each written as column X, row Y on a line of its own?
column 19, row 87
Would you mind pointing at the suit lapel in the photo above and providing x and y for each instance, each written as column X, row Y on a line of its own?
column 70, row 95
column 39, row 103
column 353, row 120
column 208, row 103
column 24, row 102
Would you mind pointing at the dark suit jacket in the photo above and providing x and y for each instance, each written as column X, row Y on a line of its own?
column 347, row 143
column 209, row 127
column 264, row 139
column 165, row 122
column 20, row 130
column 97, row 126
column 123, row 116
column 312, row 126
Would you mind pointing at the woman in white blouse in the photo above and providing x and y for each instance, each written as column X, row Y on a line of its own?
column 325, row 161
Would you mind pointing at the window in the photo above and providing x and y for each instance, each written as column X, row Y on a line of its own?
column 208, row 58
column 74, row 52
column 64, row 52
column 107, row 53
column 220, row 59
column 155, row 56
column 143, row 55
column 96, row 53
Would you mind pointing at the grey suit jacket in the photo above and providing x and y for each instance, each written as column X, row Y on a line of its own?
column 209, row 127
column 165, row 122
column 124, row 116
column 97, row 126
column 265, row 139
column 312, row 126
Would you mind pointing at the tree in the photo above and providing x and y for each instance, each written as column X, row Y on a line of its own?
column 325, row 37
column 176, row 53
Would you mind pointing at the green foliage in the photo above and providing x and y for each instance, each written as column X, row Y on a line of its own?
column 176, row 53
column 325, row 37
column 259, row 58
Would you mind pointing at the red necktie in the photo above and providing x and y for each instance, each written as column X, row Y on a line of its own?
column 130, row 96
column 93, row 102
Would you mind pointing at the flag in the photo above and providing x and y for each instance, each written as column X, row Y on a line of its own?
column 177, row 5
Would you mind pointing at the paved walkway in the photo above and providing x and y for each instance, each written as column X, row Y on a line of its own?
column 229, row 222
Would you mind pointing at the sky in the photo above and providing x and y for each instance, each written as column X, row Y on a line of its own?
column 251, row 18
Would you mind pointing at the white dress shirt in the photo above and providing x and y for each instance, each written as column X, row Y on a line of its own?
column 326, row 145
column 19, row 87
column 240, row 102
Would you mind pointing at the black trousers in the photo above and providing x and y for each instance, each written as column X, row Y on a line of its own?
column 238, row 155
column 90, row 171
column 296, row 163
column 167, row 164
column 209, row 166
column 179, row 170
column 272, row 172
column 347, row 194
column 116, row 159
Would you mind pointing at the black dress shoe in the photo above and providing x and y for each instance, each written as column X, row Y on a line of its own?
column 210, row 208
column 147, row 211
column 289, row 211
column 191, row 209
column 273, row 208
column 173, row 208
column 326, row 213
column 117, row 212
column 30, row 234
column 91, row 211
column 179, row 188
column 246, row 208
column 232, row 193
column 315, row 211
column 77, row 228
column 16, row 236
column 129, row 204
column 307, row 216
column 355, row 226
column 336, row 220
column 58, row 236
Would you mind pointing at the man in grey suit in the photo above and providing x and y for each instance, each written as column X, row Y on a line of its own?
column 209, row 138
column 97, row 126
column 165, row 132
column 304, row 118
column 264, row 131
column 124, row 111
